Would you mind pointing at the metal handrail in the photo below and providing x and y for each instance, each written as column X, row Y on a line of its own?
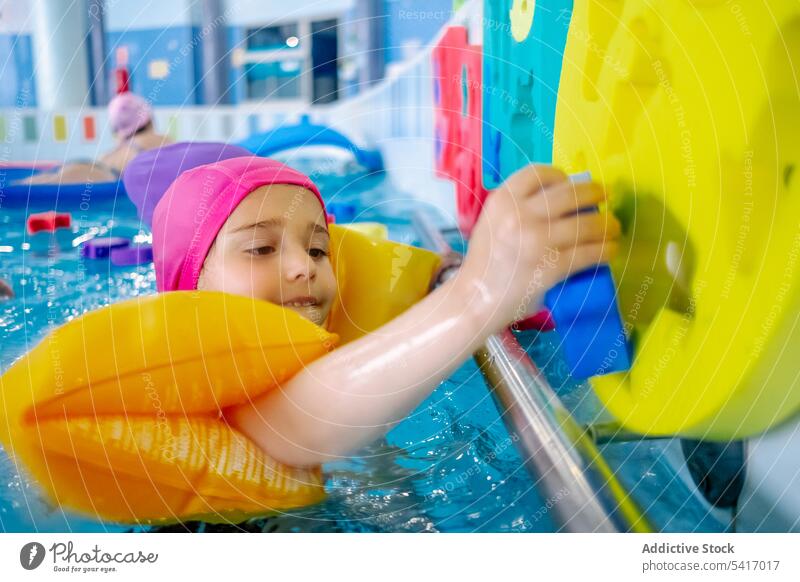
column 559, row 454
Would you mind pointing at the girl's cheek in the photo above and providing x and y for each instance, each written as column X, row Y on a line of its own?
column 258, row 281
column 205, row 282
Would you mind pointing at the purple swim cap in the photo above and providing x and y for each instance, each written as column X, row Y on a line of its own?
column 150, row 173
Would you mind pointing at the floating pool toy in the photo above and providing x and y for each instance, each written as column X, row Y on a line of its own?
column 48, row 221
column 13, row 171
column 131, row 255
column 150, row 173
column 687, row 113
column 59, row 196
column 305, row 133
column 101, row 248
column 118, row 414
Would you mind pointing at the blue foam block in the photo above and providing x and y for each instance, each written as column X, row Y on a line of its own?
column 593, row 338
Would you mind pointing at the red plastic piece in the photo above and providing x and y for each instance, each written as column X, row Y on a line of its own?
column 470, row 193
column 123, row 80
column 446, row 74
column 89, row 132
column 48, row 221
column 541, row 321
column 458, row 125
column 121, row 74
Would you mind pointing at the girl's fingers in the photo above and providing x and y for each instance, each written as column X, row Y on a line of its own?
column 583, row 228
column 531, row 179
column 566, row 198
column 577, row 259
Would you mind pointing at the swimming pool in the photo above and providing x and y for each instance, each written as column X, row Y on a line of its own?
column 451, row 466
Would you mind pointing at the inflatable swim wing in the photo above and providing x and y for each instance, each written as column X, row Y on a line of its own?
column 118, row 413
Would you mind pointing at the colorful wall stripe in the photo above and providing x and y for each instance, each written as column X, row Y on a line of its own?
column 59, row 128
column 30, row 129
column 89, row 130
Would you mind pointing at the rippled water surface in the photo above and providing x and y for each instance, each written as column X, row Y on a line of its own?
column 451, row 466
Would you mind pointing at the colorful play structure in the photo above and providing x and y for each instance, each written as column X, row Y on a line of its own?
column 683, row 111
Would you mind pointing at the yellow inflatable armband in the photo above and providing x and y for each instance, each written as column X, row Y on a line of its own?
column 687, row 111
column 377, row 280
column 370, row 229
column 117, row 414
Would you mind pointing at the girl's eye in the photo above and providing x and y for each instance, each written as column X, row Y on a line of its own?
column 317, row 253
column 260, row 251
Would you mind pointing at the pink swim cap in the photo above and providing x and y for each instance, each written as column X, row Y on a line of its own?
column 128, row 113
column 195, row 207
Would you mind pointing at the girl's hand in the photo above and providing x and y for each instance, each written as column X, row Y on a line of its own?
column 529, row 237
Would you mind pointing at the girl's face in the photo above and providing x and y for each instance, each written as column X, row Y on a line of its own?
column 275, row 246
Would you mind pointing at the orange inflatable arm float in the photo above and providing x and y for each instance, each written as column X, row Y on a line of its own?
column 117, row 414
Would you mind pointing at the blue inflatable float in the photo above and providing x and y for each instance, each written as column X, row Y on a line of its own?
column 304, row 134
column 60, row 196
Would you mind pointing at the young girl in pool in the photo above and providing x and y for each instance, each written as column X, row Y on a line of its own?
column 254, row 227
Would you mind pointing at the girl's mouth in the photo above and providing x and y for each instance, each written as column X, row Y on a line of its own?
column 306, row 301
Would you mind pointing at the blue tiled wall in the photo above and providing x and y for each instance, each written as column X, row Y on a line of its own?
column 17, row 87
column 236, row 87
column 179, row 46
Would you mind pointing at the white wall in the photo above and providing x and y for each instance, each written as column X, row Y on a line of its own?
column 148, row 14
column 15, row 16
column 257, row 12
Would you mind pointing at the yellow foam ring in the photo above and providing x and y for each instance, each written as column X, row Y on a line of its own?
column 59, row 128
column 371, row 229
column 688, row 125
column 118, row 413
column 521, row 16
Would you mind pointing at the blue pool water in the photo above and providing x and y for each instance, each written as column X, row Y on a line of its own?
column 451, row 466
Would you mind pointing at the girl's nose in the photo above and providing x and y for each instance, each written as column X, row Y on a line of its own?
column 297, row 264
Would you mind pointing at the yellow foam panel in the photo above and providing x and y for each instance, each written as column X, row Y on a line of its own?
column 688, row 111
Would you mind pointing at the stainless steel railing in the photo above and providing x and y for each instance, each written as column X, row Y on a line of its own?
column 560, row 455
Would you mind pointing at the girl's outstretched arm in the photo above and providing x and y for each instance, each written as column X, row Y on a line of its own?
column 528, row 238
